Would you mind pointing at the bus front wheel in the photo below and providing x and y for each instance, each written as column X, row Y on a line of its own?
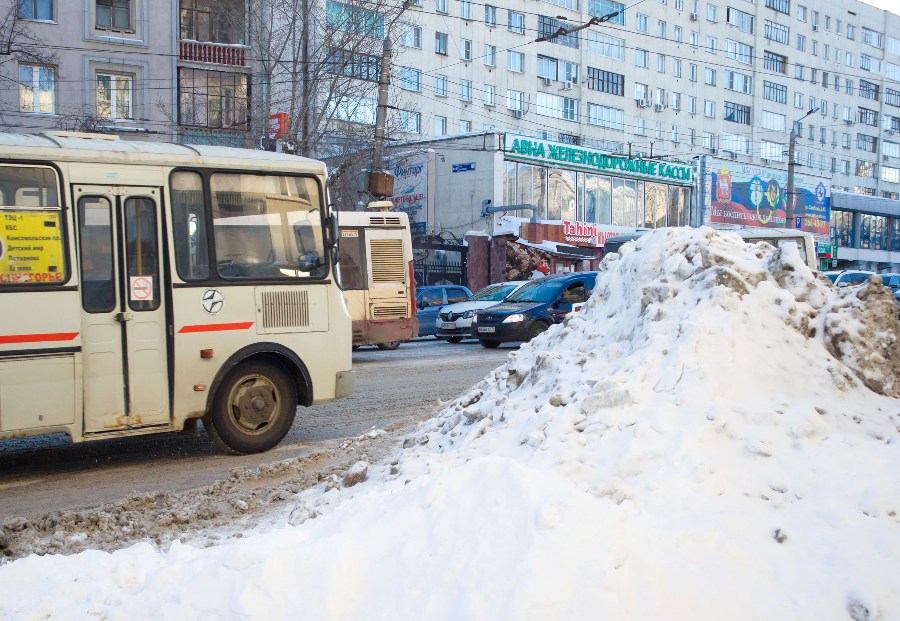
column 253, row 410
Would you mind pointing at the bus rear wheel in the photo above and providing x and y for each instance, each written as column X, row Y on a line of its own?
column 253, row 410
column 390, row 345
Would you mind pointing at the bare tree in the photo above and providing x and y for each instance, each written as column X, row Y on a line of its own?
column 18, row 44
column 319, row 62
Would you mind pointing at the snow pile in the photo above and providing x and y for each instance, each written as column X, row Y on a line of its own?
column 714, row 437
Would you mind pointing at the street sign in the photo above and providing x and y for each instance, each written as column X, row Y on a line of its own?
column 465, row 167
column 798, row 222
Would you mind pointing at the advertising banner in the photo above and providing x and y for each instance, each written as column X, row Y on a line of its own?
column 31, row 248
column 751, row 195
column 411, row 190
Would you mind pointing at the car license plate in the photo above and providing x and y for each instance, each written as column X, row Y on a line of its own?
column 450, row 326
column 486, row 329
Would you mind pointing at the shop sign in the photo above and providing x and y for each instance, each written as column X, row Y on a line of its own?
column 590, row 233
column 755, row 196
column 581, row 158
column 464, row 167
column 411, row 190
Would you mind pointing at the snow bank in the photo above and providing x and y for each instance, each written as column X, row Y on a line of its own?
column 714, row 437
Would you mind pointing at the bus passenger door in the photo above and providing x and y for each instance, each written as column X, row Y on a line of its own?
column 124, row 318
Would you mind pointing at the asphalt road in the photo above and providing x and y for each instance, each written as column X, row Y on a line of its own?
column 394, row 391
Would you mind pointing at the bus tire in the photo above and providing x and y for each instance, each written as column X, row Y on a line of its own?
column 490, row 344
column 390, row 345
column 253, row 410
column 454, row 339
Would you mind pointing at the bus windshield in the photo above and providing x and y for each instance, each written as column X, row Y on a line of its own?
column 537, row 292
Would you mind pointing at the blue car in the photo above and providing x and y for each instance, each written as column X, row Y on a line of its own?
column 533, row 308
column 431, row 299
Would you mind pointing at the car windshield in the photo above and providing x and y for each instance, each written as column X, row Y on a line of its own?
column 492, row 293
column 538, row 292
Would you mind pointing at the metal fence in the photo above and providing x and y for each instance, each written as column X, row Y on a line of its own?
column 448, row 266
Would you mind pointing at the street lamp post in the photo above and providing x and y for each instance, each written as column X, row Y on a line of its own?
column 792, row 147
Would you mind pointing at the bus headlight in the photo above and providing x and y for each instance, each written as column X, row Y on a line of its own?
column 514, row 318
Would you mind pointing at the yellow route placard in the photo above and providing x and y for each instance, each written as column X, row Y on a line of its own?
column 31, row 248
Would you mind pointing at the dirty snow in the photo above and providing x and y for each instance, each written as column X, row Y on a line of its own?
column 714, row 437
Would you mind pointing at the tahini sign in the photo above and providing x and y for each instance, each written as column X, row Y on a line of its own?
column 589, row 160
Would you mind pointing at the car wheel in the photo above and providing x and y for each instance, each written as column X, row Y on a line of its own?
column 454, row 339
column 489, row 344
column 536, row 328
column 390, row 345
column 253, row 410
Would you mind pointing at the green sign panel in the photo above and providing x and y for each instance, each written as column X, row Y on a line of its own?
column 571, row 156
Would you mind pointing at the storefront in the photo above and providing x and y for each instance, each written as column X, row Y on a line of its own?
column 583, row 196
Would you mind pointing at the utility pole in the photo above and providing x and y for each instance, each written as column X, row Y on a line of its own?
column 381, row 182
column 791, row 193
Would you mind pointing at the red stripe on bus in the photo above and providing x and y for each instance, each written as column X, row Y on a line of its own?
column 37, row 338
column 216, row 327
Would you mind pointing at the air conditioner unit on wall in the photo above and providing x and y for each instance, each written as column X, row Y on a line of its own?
column 732, row 155
column 658, row 107
column 547, row 81
column 815, row 27
column 694, row 17
column 645, row 103
column 765, row 160
column 517, row 114
column 567, row 85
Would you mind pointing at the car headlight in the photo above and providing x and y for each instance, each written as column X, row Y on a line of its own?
column 514, row 318
column 468, row 314
column 474, row 317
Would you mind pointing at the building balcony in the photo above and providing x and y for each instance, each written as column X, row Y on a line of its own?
column 230, row 55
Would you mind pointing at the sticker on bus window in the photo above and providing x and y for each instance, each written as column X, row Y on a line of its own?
column 141, row 289
column 31, row 248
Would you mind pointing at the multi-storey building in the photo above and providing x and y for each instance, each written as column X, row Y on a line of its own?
column 92, row 65
column 675, row 79
column 172, row 70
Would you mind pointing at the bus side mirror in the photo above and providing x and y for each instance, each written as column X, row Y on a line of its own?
column 331, row 232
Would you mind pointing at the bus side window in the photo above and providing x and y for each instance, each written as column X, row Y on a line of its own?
column 98, row 293
column 189, row 226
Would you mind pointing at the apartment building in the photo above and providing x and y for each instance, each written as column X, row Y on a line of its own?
column 674, row 79
column 169, row 70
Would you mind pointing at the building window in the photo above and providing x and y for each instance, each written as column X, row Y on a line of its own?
column 742, row 21
column 465, row 127
column 641, row 58
column 605, row 45
column 114, row 96
column 465, row 49
column 892, row 97
column 711, row 12
column 709, row 77
column 411, row 36
column 740, row 52
column 868, row 143
column 711, row 44
column 114, row 14
column 213, row 99
column 777, row 32
column 642, row 23
column 37, row 89
column 440, row 85
column 440, row 6
column 801, row 43
column 549, row 26
column 782, row 6
column 605, row 116
column 465, row 9
column 871, row 37
column 736, row 113
column 515, row 61
column 212, row 21
column 739, row 82
column 38, row 10
column 868, row 90
column 661, row 63
column 709, row 108
column 411, row 79
column 490, row 95
column 775, row 62
column 602, row 8
column 606, row 81
column 410, row 122
column 440, row 43
column 465, row 90
column 490, row 15
column 490, row 55
column 868, row 117
column 440, row 126
column 354, row 65
column 516, row 22
column 515, row 100
column 865, row 169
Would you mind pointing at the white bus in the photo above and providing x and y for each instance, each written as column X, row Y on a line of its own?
column 376, row 266
column 147, row 285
